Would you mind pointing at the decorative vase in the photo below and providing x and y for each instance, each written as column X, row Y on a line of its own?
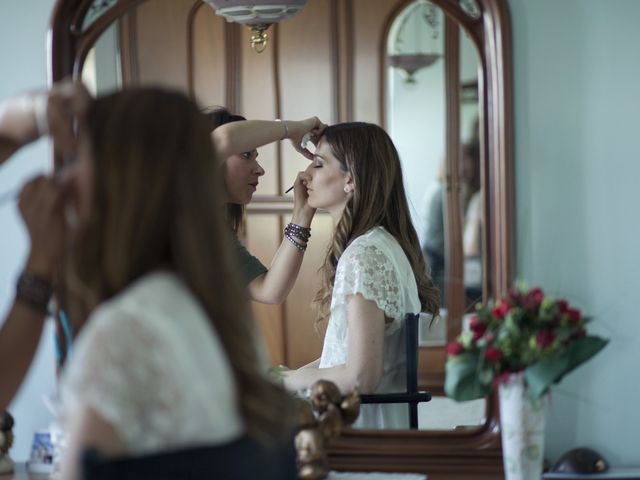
column 522, row 423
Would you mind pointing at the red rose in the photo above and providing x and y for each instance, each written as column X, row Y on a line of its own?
column 563, row 306
column 477, row 327
column 514, row 295
column 492, row 354
column 536, row 295
column 454, row 348
column 501, row 309
column 502, row 378
column 574, row 314
column 544, row 338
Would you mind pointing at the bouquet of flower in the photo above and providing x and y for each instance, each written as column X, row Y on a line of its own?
column 524, row 332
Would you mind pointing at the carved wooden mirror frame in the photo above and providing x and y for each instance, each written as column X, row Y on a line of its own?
column 440, row 454
column 473, row 453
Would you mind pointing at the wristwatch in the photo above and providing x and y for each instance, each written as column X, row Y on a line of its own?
column 34, row 291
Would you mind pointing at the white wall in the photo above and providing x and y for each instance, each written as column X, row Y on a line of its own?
column 23, row 26
column 577, row 103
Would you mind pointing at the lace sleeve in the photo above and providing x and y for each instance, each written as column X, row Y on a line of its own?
column 365, row 269
column 119, row 369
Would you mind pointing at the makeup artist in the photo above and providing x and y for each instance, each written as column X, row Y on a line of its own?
column 24, row 119
column 236, row 140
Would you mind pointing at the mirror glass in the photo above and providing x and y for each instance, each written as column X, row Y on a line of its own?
column 101, row 72
column 96, row 9
column 470, row 167
column 471, row 8
column 416, row 121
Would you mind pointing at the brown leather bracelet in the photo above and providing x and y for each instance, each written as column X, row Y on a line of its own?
column 34, row 291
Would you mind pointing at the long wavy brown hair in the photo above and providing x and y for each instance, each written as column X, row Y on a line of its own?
column 156, row 205
column 368, row 154
column 217, row 116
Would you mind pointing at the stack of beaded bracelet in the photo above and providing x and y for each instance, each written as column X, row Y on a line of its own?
column 303, row 233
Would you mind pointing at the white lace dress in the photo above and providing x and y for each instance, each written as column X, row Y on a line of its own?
column 149, row 362
column 375, row 266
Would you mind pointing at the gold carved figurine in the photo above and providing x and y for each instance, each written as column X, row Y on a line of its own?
column 6, row 441
column 321, row 420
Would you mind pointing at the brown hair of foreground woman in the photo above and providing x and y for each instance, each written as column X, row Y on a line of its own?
column 154, row 205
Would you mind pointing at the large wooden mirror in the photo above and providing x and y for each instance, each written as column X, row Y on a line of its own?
column 334, row 60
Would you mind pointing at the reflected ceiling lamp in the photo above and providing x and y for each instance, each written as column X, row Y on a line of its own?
column 421, row 22
column 258, row 15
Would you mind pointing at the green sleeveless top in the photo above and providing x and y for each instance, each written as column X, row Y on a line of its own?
column 250, row 266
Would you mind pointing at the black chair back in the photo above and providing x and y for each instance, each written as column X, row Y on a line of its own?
column 412, row 396
column 239, row 460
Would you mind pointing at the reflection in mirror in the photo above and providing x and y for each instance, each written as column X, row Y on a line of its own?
column 471, row 8
column 97, row 8
column 101, row 72
column 417, row 121
column 470, row 168
column 416, row 39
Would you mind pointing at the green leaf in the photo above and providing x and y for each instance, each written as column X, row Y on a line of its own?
column 548, row 370
column 548, row 304
column 511, row 325
column 462, row 380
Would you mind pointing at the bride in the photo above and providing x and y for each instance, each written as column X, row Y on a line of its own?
column 373, row 274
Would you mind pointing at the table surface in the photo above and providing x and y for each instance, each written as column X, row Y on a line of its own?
column 374, row 476
column 614, row 473
column 611, row 474
column 22, row 474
